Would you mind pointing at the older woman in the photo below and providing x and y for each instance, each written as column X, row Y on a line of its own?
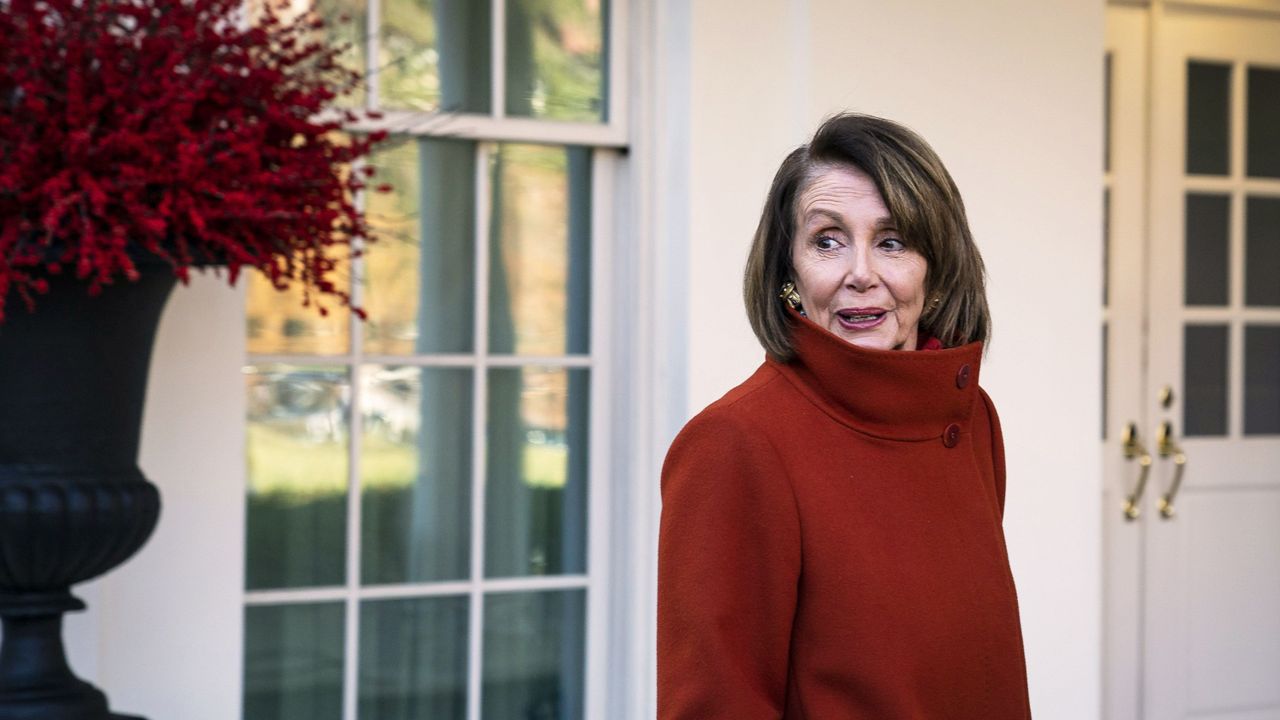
column 831, row 543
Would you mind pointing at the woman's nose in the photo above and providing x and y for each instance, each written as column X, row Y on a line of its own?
column 861, row 273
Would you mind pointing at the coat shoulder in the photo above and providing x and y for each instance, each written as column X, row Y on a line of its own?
column 737, row 424
column 742, row 411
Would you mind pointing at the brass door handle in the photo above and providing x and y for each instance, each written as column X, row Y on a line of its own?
column 1133, row 449
column 1169, row 447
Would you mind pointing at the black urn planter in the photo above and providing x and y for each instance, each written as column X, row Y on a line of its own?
column 73, row 503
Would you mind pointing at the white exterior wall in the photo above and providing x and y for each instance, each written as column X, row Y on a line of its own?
column 1010, row 95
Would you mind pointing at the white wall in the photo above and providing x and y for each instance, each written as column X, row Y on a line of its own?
column 162, row 636
column 1010, row 95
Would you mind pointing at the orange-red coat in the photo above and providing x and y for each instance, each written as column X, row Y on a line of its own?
column 831, row 545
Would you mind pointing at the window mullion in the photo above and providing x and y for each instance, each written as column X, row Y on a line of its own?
column 350, row 654
column 470, row 126
column 599, row 498
column 498, row 55
column 373, row 22
column 351, row 644
column 479, row 419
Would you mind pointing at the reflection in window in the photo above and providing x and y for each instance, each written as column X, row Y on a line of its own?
column 347, row 26
column 297, row 467
column 293, row 661
column 277, row 322
column 534, row 644
column 536, row 497
column 413, row 659
column 540, row 257
column 415, row 474
column 555, row 59
column 420, row 275
column 434, row 55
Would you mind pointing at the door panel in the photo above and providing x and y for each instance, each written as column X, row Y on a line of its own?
column 1233, row 621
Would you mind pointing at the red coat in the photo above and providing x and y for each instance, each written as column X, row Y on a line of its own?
column 831, row 545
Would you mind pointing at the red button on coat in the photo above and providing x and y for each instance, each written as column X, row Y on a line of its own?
column 962, row 377
column 951, row 435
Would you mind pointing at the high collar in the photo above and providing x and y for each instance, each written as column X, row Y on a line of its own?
column 894, row 394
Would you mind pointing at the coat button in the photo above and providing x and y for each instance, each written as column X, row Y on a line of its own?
column 962, row 377
column 951, row 435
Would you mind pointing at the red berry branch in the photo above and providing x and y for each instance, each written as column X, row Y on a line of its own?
column 175, row 131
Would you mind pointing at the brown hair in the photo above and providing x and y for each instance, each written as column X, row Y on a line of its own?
column 925, row 206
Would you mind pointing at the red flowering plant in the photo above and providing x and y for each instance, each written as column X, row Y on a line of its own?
column 177, row 131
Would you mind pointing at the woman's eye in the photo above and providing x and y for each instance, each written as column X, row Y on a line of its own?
column 893, row 243
column 826, row 242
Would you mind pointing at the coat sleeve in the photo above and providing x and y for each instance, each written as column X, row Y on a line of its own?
column 997, row 449
column 728, row 570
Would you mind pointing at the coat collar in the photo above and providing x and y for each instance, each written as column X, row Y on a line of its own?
column 892, row 394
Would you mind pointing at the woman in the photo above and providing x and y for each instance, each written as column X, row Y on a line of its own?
column 831, row 543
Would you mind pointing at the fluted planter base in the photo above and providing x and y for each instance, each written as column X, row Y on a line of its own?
column 39, row 683
column 73, row 503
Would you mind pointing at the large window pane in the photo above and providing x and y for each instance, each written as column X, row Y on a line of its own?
column 536, row 497
column 556, row 54
column 434, row 55
column 276, row 322
column 293, row 662
column 297, row 458
column 413, row 659
column 347, row 24
column 1204, row 377
column 534, row 645
column 415, row 474
column 540, row 239
column 1262, row 251
column 1208, row 118
column 420, row 275
column 1207, row 249
column 1263, row 123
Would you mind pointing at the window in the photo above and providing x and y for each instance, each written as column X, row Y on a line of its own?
column 425, row 503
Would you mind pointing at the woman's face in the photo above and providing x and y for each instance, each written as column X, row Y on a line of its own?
column 855, row 275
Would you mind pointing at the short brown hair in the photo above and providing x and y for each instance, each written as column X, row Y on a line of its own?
column 925, row 206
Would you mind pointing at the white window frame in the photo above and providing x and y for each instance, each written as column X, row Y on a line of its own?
column 606, row 611
column 651, row 281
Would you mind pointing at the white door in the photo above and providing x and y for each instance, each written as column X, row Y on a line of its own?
column 1194, row 315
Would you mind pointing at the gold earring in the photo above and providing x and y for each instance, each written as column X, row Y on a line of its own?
column 790, row 295
column 933, row 303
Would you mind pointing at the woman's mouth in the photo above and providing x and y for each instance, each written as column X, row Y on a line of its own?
column 861, row 318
